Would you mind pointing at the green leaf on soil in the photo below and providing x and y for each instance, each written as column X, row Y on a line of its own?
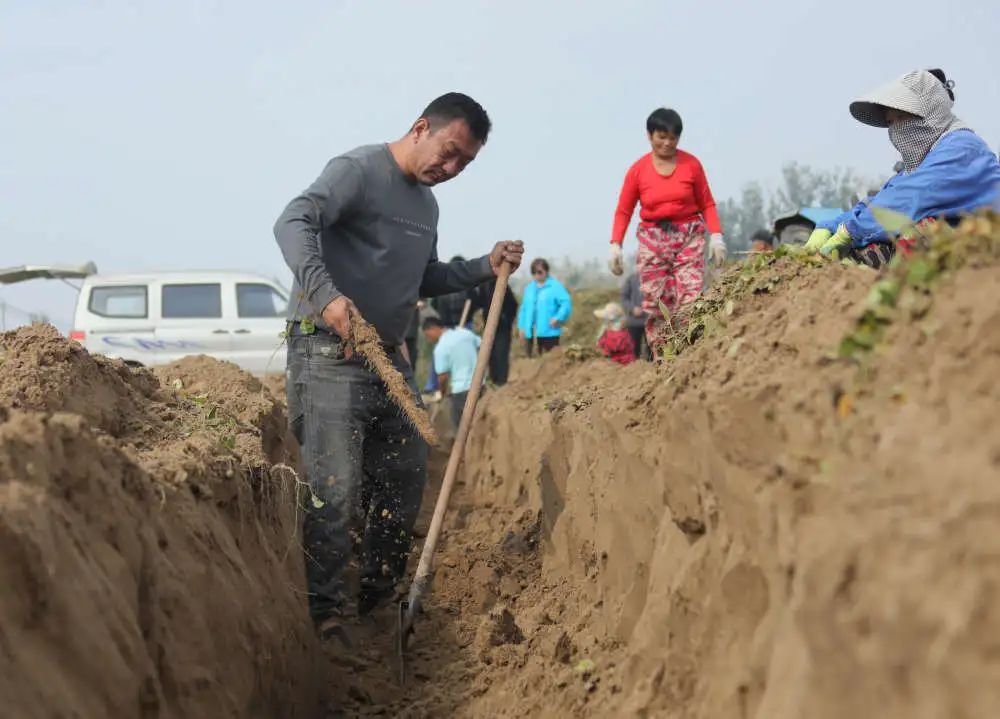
column 884, row 293
column 920, row 273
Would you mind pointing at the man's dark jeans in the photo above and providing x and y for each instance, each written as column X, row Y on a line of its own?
column 457, row 405
column 364, row 462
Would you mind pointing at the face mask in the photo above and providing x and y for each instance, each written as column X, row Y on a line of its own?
column 913, row 137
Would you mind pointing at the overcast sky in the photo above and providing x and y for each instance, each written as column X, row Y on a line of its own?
column 170, row 134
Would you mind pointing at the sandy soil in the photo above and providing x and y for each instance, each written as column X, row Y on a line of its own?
column 756, row 529
column 759, row 527
column 149, row 561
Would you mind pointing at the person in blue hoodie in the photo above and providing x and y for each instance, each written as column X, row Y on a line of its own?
column 947, row 169
column 545, row 307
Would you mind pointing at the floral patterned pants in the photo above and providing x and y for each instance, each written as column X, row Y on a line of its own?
column 671, row 265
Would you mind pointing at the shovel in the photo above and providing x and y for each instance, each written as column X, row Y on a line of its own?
column 465, row 313
column 421, row 581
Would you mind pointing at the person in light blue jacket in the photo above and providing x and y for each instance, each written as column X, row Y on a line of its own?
column 545, row 307
column 947, row 169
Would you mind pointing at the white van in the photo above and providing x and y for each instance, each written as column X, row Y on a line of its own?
column 156, row 318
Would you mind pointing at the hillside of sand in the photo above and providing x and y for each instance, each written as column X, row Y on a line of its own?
column 796, row 515
column 149, row 553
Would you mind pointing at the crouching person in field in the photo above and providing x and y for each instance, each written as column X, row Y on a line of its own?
column 615, row 341
column 947, row 170
column 455, row 352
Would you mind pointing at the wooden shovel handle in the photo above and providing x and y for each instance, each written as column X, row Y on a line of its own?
column 421, row 579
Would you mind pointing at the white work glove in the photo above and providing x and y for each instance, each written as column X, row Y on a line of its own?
column 717, row 249
column 615, row 259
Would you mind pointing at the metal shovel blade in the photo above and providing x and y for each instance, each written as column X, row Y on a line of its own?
column 403, row 631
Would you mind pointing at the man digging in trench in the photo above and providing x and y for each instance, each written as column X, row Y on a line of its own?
column 362, row 240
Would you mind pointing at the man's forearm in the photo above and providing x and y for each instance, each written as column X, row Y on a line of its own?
column 441, row 278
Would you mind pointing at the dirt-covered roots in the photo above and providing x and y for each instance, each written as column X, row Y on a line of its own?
column 366, row 341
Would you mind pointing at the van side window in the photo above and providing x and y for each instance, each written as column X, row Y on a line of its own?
column 253, row 300
column 192, row 301
column 126, row 301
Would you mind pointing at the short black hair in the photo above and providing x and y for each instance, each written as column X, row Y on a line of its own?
column 457, row 258
column 456, row 106
column 431, row 322
column 762, row 235
column 663, row 119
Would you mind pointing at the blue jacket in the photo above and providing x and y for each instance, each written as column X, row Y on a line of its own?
column 541, row 304
column 960, row 174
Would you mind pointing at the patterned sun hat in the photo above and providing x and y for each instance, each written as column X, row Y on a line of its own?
column 918, row 93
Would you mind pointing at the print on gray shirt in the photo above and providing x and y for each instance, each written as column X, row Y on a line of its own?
column 365, row 230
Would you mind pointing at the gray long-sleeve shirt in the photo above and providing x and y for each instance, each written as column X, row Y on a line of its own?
column 365, row 230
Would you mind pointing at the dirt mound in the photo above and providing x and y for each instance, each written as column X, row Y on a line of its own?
column 240, row 396
column 41, row 370
column 758, row 528
column 275, row 384
column 149, row 554
column 795, row 515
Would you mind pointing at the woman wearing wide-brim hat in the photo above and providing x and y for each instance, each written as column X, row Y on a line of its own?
column 947, row 169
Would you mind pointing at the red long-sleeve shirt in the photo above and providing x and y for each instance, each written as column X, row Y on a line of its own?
column 678, row 198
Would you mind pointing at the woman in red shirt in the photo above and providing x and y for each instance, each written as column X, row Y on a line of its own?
column 676, row 207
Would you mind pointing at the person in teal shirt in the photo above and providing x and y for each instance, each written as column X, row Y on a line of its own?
column 545, row 307
column 456, row 350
